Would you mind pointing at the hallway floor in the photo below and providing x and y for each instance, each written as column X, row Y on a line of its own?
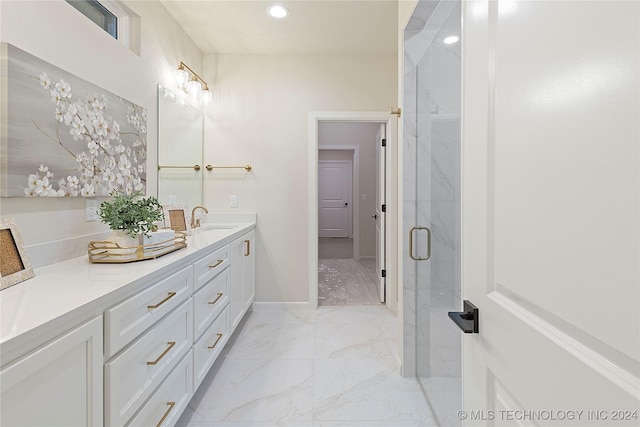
column 331, row 367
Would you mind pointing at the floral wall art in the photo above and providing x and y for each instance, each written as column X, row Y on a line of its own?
column 62, row 136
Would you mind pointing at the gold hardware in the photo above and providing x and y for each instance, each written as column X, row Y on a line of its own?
column 397, row 111
column 194, row 167
column 216, row 300
column 215, row 343
column 170, row 295
column 170, row 345
column 411, row 243
column 166, row 414
column 196, row 223
column 248, row 242
column 220, row 261
column 182, row 66
column 245, row 167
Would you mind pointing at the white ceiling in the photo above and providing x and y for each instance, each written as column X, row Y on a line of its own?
column 312, row 27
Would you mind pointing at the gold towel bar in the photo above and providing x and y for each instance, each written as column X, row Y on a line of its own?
column 245, row 167
column 194, row 167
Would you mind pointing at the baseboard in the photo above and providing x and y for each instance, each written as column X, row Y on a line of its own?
column 285, row 305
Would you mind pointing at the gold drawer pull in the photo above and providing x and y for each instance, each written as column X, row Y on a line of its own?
column 166, row 414
column 171, row 295
column 170, row 346
column 215, row 343
column 248, row 242
column 217, row 298
column 220, row 261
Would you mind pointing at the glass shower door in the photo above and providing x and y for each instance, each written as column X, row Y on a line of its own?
column 431, row 221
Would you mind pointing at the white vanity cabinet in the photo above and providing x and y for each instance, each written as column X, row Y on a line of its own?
column 242, row 252
column 58, row 384
column 122, row 345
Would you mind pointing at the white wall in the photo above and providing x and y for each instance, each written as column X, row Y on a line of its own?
column 57, row 33
column 262, row 105
column 362, row 135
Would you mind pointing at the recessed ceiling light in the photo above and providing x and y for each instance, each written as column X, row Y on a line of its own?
column 278, row 11
column 451, row 39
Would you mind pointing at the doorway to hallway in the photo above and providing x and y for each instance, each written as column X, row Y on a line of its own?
column 347, row 206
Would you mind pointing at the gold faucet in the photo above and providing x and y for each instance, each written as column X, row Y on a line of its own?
column 196, row 223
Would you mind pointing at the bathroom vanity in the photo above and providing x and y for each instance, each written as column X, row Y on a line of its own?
column 86, row 344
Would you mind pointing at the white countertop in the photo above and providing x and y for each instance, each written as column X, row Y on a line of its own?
column 62, row 295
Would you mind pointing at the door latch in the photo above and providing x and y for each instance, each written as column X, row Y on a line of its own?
column 466, row 320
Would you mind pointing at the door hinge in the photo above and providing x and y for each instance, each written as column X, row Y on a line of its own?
column 384, row 208
column 384, row 142
column 384, row 273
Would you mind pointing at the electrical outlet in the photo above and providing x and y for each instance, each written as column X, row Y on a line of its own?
column 91, row 210
column 233, row 201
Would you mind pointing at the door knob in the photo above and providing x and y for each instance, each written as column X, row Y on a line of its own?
column 346, row 204
column 374, row 216
column 467, row 320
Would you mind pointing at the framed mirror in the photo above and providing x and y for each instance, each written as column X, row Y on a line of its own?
column 180, row 142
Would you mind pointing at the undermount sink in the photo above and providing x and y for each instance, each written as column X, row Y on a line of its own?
column 206, row 226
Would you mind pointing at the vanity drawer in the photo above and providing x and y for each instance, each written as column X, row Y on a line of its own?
column 127, row 320
column 209, row 302
column 131, row 377
column 207, row 348
column 211, row 265
column 166, row 405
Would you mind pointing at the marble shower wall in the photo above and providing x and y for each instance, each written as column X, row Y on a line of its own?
column 431, row 146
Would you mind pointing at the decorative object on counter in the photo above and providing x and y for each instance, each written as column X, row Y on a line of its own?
column 106, row 251
column 14, row 264
column 177, row 220
column 65, row 136
column 131, row 213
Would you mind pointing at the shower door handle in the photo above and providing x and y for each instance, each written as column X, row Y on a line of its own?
column 418, row 228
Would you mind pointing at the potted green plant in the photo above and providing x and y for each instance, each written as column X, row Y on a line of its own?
column 131, row 214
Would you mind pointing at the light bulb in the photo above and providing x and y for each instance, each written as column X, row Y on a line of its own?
column 207, row 97
column 181, row 78
column 278, row 11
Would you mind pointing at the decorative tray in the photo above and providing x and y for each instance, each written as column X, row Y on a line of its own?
column 105, row 251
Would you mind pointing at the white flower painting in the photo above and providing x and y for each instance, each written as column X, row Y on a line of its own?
column 66, row 137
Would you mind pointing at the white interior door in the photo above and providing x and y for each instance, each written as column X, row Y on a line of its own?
column 334, row 193
column 381, row 155
column 551, row 212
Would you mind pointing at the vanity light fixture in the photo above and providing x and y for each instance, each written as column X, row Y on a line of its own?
column 191, row 83
column 451, row 39
column 278, row 11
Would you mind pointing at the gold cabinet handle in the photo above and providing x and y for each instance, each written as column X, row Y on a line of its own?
column 217, row 298
column 170, row 295
column 166, row 414
column 248, row 242
column 215, row 343
column 220, row 261
column 170, row 345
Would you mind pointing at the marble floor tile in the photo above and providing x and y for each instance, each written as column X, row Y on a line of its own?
column 365, row 389
column 331, row 367
column 267, row 340
column 256, row 390
column 347, row 282
column 354, row 341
